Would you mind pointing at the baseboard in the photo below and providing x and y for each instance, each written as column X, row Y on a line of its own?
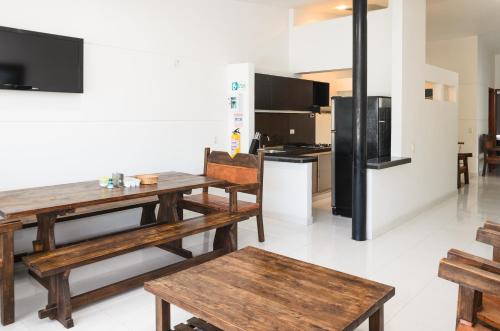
column 409, row 216
column 288, row 218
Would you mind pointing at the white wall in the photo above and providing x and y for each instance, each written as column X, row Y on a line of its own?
column 476, row 65
column 327, row 45
column 154, row 86
column 427, row 130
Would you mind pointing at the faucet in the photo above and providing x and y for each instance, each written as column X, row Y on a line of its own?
column 262, row 136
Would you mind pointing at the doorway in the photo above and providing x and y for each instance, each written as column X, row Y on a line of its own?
column 493, row 125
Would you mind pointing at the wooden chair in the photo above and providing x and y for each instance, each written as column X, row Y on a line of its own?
column 463, row 168
column 478, row 305
column 243, row 173
column 490, row 152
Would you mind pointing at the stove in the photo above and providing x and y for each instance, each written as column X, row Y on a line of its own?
column 307, row 146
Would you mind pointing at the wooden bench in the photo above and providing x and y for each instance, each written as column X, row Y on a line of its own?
column 479, row 289
column 490, row 234
column 57, row 264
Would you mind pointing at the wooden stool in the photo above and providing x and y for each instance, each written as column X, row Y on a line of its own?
column 463, row 168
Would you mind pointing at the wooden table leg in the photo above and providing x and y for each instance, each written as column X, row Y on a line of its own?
column 7, row 271
column 377, row 320
column 466, row 174
column 167, row 213
column 148, row 215
column 45, row 238
column 162, row 315
column 227, row 238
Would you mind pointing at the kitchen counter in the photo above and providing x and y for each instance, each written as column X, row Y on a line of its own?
column 291, row 158
column 297, row 155
column 387, row 162
column 288, row 182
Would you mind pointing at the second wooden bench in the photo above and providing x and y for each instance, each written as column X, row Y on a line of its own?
column 56, row 265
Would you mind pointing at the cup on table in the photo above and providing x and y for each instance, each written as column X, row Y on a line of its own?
column 117, row 179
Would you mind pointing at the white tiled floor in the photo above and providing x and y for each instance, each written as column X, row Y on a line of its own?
column 406, row 257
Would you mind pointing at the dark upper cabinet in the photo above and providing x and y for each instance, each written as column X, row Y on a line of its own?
column 263, row 91
column 291, row 94
column 321, row 94
column 285, row 93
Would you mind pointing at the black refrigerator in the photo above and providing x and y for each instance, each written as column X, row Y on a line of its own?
column 378, row 139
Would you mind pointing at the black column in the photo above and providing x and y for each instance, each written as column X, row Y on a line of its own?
column 359, row 120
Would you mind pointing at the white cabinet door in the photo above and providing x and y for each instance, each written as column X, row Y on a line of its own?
column 324, row 172
column 315, row 177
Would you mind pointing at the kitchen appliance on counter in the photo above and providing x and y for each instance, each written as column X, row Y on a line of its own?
column 378, row 138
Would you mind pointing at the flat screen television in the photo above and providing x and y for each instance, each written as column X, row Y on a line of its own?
column 35, row 61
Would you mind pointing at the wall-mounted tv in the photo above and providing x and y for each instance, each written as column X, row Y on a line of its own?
column 35, row 61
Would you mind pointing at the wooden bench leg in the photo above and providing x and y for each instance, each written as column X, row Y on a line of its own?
column 64, row 300
column 7, row 277
column 50, row 310
column 162, row 315
column 226, row 238
column 377, row 320
column 469, row 302
column 59, row 300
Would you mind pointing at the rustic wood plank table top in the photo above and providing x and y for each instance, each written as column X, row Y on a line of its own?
column 32, row 201
column 252, row 289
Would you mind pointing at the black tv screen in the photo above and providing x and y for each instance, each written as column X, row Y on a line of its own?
column 40, row 62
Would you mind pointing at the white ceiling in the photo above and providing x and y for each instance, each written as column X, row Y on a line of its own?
column 301, row 3
column 285, row 3
column 448, row 19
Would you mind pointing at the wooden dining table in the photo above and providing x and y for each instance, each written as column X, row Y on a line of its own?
column 255, row 290
column 49, row 203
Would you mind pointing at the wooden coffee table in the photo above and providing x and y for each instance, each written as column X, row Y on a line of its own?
column 256, row 290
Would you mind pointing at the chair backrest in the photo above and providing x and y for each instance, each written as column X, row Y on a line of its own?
column 487, row 142
column 242, row 169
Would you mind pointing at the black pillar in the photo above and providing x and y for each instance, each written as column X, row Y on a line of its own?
column 359, row 120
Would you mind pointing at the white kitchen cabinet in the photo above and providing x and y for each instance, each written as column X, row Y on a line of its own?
column 324, row 172
column 315, row 177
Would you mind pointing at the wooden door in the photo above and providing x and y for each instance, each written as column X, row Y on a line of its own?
column 492, row 113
